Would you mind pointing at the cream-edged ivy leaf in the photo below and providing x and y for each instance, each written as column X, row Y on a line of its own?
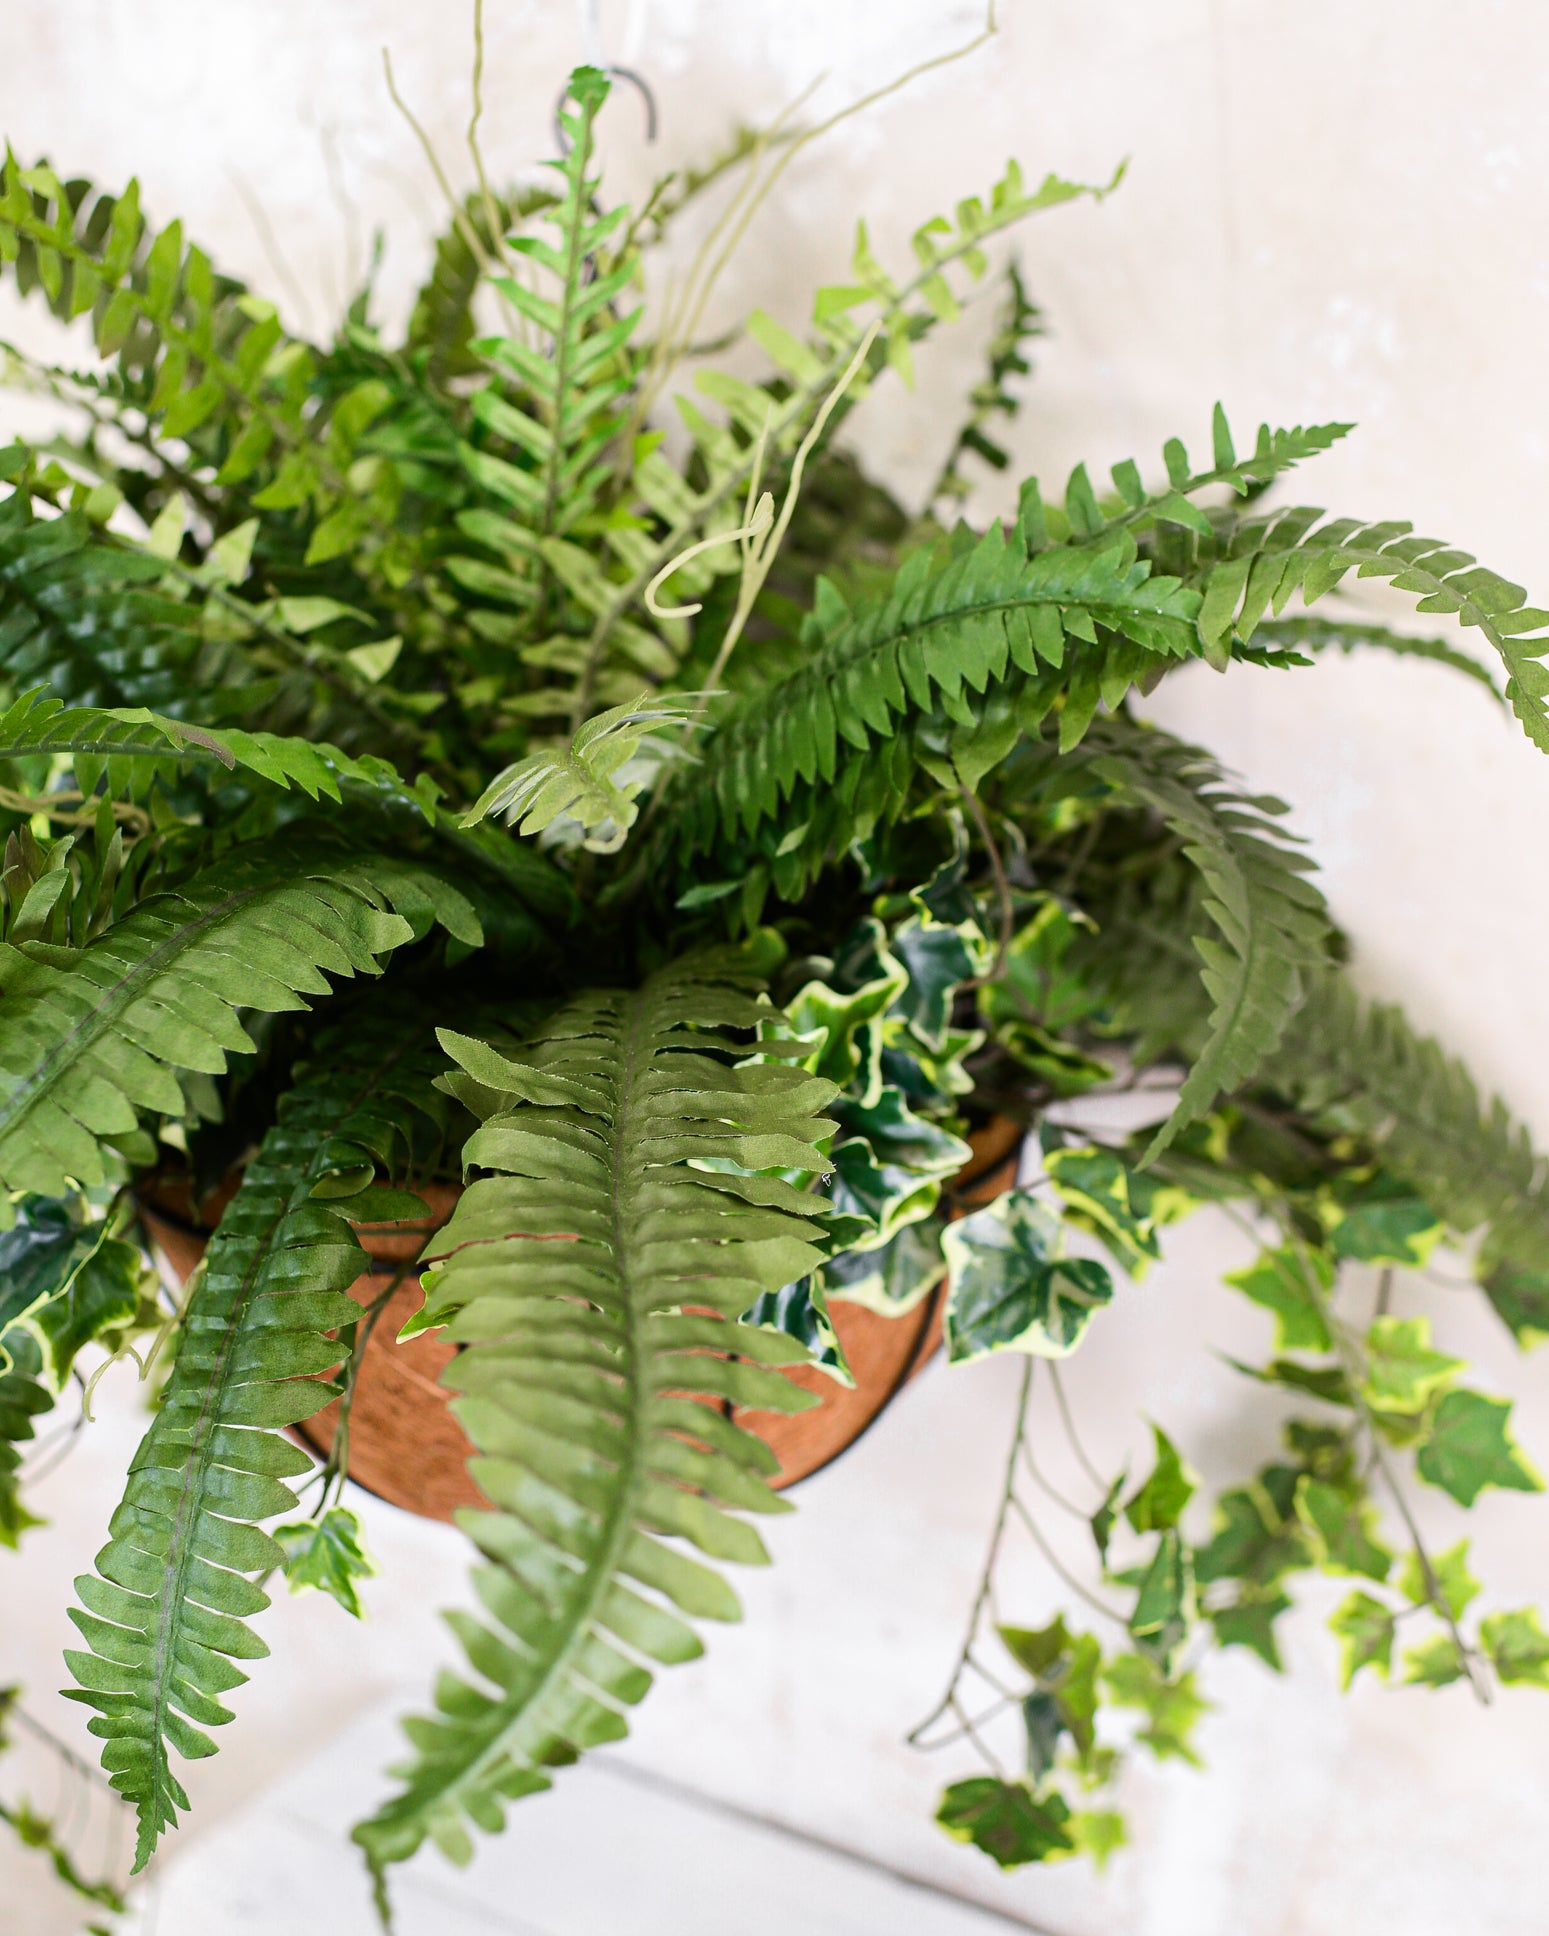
column 1403, row 1373
column 1157, row 1504
column 1289, row 1281
column 1010, row 1290
column 1453, row 1581
column 1518, row 1647
column 1364, row 1628
column 1469, row 1448
column 328, row 1554
column 1435, row 1663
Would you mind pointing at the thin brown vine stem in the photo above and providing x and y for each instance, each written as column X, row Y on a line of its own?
column 1008, row 913
column 1082, row 1592
column 1067, row 1419
column 1354, row 1369
column 987, row 1573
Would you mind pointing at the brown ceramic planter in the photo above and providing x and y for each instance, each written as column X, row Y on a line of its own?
column 407, row 1447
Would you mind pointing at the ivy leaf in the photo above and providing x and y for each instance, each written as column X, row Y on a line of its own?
column 1006, row 1820
column 1157, row 1504
column 1162, row 1607
column 1340, row 1523
column 1468, row 1449
column 800, row 1311
column 1518, row 1647
column 1257, row 1537
column 1250, row 1623
column 1123, row 1208
column 1435, row 1664
column 893, row 1279
column 1364, row 1628
column 1403, row 1373
column 1009, row 1292
column 1397, row 1229
column 1521, row 1298
column 103, row 1295
column 1172, row 1707
column 328, row 1554
column 1097, row 1832
column 1038, row 1650
column 1279, row 1280
column 889, row 1164
column 1326, row 1382
column 1103, row 1519
column 1454, row 1582
column 1043, row 1724
column 938, row 960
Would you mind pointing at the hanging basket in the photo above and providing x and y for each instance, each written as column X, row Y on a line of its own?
column 405, row 1444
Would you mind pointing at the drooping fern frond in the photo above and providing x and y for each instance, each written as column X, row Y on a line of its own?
column 1271, row 558
column 1019, row 322
column 164, row 1616
column 948, row 631
column 92, row 1038
column 1359, row 1068
column 594, row 1270
column 1271, row 923
column 1287, row 641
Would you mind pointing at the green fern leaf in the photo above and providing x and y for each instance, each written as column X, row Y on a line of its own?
column 165, row 1615
column 1271, row 558
column 1271, row 921
column 949, row 632
column 618, row 1147
column 1296, row 636
column 92, row 1038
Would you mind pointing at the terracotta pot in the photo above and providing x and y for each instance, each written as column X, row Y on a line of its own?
column 407, row 1447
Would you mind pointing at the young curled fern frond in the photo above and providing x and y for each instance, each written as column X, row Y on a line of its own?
column 95, row 1037
column 165, row 1615
column 617, row 1226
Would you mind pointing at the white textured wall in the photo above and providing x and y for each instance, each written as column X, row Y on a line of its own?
column 1332, row 211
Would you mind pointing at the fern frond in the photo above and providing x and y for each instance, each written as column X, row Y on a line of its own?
column 164, row 1616
column 193, row 349
column 125, row 750
column 1271, row 922
column 1271, row 558
column 1084, row 520
column 441, row 323
column 1286, row 640
column 90, row 620
column 1019, row 322
column 949, row 631
column 594, row 1271
column 92, row 1038
column 775, row 420
column 1359, row 1068
column 585, row 781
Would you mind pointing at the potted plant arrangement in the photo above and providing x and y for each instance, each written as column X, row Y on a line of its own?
column 528, row 911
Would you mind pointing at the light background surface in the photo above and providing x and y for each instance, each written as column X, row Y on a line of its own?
column 1332, row 211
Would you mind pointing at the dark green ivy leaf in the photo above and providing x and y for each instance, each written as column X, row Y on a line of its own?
column 1469, row 1449
column 1521, row 1297
column 892, row 1279
column 1397, row 1229
column 103, row 1295
column 1163, row 1605
column 1006, row 1820
column 1250, row 1623
column 1340, row 1522
column 1156, row 1506
column 328, row 1554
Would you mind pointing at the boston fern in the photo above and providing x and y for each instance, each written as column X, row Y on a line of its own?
column 831, row 834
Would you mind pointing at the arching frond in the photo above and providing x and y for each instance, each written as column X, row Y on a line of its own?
column 165, row 1615
column 92, row 1038
column 615, row 1226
